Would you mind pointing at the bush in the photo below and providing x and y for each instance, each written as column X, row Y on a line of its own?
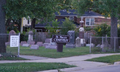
column 66, row 26
column 23, row 37
column 102, row 30
column 53, row 28
column 87, row 28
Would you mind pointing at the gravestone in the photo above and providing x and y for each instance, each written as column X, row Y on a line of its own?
column 34, row 47
column 47, row 42
column 50, row 45
column 71, row 43
column 23, row 42
column 7, row 43
column 78, row 42
column 30, row 36
column 40, row 43
column 25, row 45
column 32, row 42
column 12, row 32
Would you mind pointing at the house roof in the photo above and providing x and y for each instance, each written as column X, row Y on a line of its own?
column 43, row 25
column 91, row 13
column 73, row 13
column 65, row 13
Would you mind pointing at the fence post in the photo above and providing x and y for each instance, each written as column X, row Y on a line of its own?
column 114, row 44
column 19, row 45
column 102, row 40
column 90, row 43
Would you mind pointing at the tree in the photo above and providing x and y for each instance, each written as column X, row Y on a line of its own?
column 2, row 26
column 109, row 8
column 35, row 9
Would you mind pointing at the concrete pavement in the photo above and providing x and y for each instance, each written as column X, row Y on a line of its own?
column 75, row 60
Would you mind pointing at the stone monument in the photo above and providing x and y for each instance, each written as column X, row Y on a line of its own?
column 80, row 41
column 30, row 36
column 12, row 32
column 71, row 43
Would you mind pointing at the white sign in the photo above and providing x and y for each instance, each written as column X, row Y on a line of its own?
column 14, row 41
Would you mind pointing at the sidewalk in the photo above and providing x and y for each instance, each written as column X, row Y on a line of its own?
column 75, row 60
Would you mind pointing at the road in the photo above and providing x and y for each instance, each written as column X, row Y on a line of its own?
column 112, row 68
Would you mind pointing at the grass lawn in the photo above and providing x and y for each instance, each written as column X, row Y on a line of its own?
column 52, row 53
column 107, row 59
column 31, row 67
column 9, row 56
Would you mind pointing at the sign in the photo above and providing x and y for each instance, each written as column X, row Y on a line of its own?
column 14, row 41
column 60, row 38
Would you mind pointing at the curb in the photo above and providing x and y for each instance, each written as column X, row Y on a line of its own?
column 117, row 63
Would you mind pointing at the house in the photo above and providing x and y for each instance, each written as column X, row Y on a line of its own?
column 90, row 18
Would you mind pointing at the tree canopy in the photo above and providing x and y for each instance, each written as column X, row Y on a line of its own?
column 109, row 8
column 16, row 9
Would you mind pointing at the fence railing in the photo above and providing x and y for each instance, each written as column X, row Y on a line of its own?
column 104, row 44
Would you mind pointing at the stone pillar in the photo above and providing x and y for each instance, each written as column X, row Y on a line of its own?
column 30, row 36
column 71, row 43
column 81, row 34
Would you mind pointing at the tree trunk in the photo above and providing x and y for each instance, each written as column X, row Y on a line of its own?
column 114, row 32
column 33, row 23
column 2, row 27
column 19, row 25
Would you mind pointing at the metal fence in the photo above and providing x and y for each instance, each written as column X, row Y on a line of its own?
column 10, row 51
column 104, row 44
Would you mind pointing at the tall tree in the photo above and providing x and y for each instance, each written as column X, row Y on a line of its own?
column 2, row 26
column 35, row 9
column 109, row 8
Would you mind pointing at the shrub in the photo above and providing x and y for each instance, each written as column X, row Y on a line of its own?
column 87, row 28
column 53, row 28
column 66, row 26
column 102, row 30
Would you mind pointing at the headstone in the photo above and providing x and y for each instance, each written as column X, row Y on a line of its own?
column 78, row 42
column 40, row 43
column 45, row 44
column 34, row 47
column 30, row 36
column 102, row 46
column 25, row 45
column 32, row 42
column 23, row 42
column 12, row 32
column 47, row 41
column 71, row 43
column 51, row 46
column 7, row 43
column 92, row 45
column 98, row 45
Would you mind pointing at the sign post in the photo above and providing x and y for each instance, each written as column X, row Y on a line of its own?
column 14, row 42
column 60, row 40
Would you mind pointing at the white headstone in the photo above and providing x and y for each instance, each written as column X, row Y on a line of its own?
column 34, row 47
column 25, row 45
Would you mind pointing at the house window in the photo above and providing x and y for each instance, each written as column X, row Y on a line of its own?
column 89, row 21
